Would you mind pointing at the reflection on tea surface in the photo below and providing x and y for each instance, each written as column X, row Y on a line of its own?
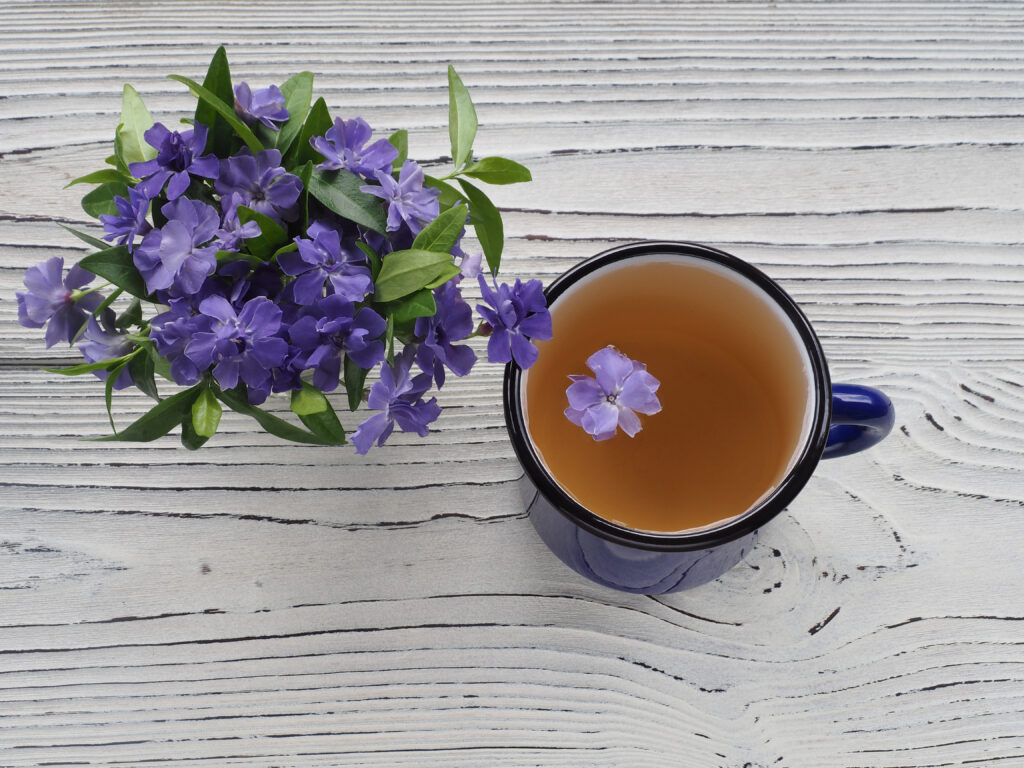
column 735, row 394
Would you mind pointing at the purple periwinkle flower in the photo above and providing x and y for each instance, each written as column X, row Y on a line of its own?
column 471, row 264
column 105, row 342
column 345, row 146
column 326, row 259
column 51, row 299
column 131, row 218
column 452, row 322
column 242, row 345
column 264, row 105
column 399, row 398
column 260, row 183
column 249, row 282
column 171, row 333
column 180, row 253
column 332, row 327
column 408, row 200
column 619, row 390
column 517, row 313
column 178, row 155
column 232, row 232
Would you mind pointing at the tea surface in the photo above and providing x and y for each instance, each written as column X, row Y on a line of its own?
column 734, row 393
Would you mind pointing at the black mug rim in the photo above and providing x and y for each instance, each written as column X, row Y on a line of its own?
column 702, row 538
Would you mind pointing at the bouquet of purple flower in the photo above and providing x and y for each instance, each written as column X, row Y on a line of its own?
column 267, row 248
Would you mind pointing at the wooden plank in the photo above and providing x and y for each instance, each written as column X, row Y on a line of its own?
column 264, row 604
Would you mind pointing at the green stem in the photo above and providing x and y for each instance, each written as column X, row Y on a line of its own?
column 78, row 294
column 96, row 312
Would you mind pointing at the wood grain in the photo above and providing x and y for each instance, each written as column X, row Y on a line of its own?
column 263, row 604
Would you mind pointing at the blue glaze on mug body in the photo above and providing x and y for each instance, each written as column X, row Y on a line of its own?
column 625, row 568
column 846, row 418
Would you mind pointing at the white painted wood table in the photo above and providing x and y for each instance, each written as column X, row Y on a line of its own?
column 258, row 603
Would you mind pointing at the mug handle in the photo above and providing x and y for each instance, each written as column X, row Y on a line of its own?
column 861, row 417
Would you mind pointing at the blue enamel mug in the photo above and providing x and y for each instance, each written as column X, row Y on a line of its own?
column 840, row 419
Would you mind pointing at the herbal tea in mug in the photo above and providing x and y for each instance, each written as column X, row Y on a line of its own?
column 682, row 402
column 735, row 404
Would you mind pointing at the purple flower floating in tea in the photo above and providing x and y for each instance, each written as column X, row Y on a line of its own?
column 619, row 389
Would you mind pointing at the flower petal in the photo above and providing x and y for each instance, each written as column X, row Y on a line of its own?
column 601, row 419
column 638, row 393
column 584, row 393
column 629, row 421
column 523, row 351
column 611, row 368
column 369, row 431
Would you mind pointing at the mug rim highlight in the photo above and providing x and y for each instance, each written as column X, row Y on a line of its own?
column 732, row 528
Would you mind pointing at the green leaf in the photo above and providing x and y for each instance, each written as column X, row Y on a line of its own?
column 498, row 170
column 303, row 172
column 189, row 437
column 298, row 93
column 161, row 418
column 161, row 366
column 135, row 121
column 407, row 271
column 461, row 119
column 224, row 110
column 119, row 162
column 442, row 233
column 273, row 234
column 449, row 272
column 308, row 400
column 315, row 411
column 389, row 339
column 95, row 242
column 487, row 222
column 289, row 247
column 371, row 256
column 355, row 378
column 318, row 122
column 131, row 316
column 450, row 196
column 101, row 200
column 98, row 312
column 218, row 84
column 112, row 376
column 206, row 413
column 400, row 141
column 419, row 304
column 78, row 370
column 99, row 177
column 339, row 191
column 116, row 265
column 141, row 369
column 237, row 401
